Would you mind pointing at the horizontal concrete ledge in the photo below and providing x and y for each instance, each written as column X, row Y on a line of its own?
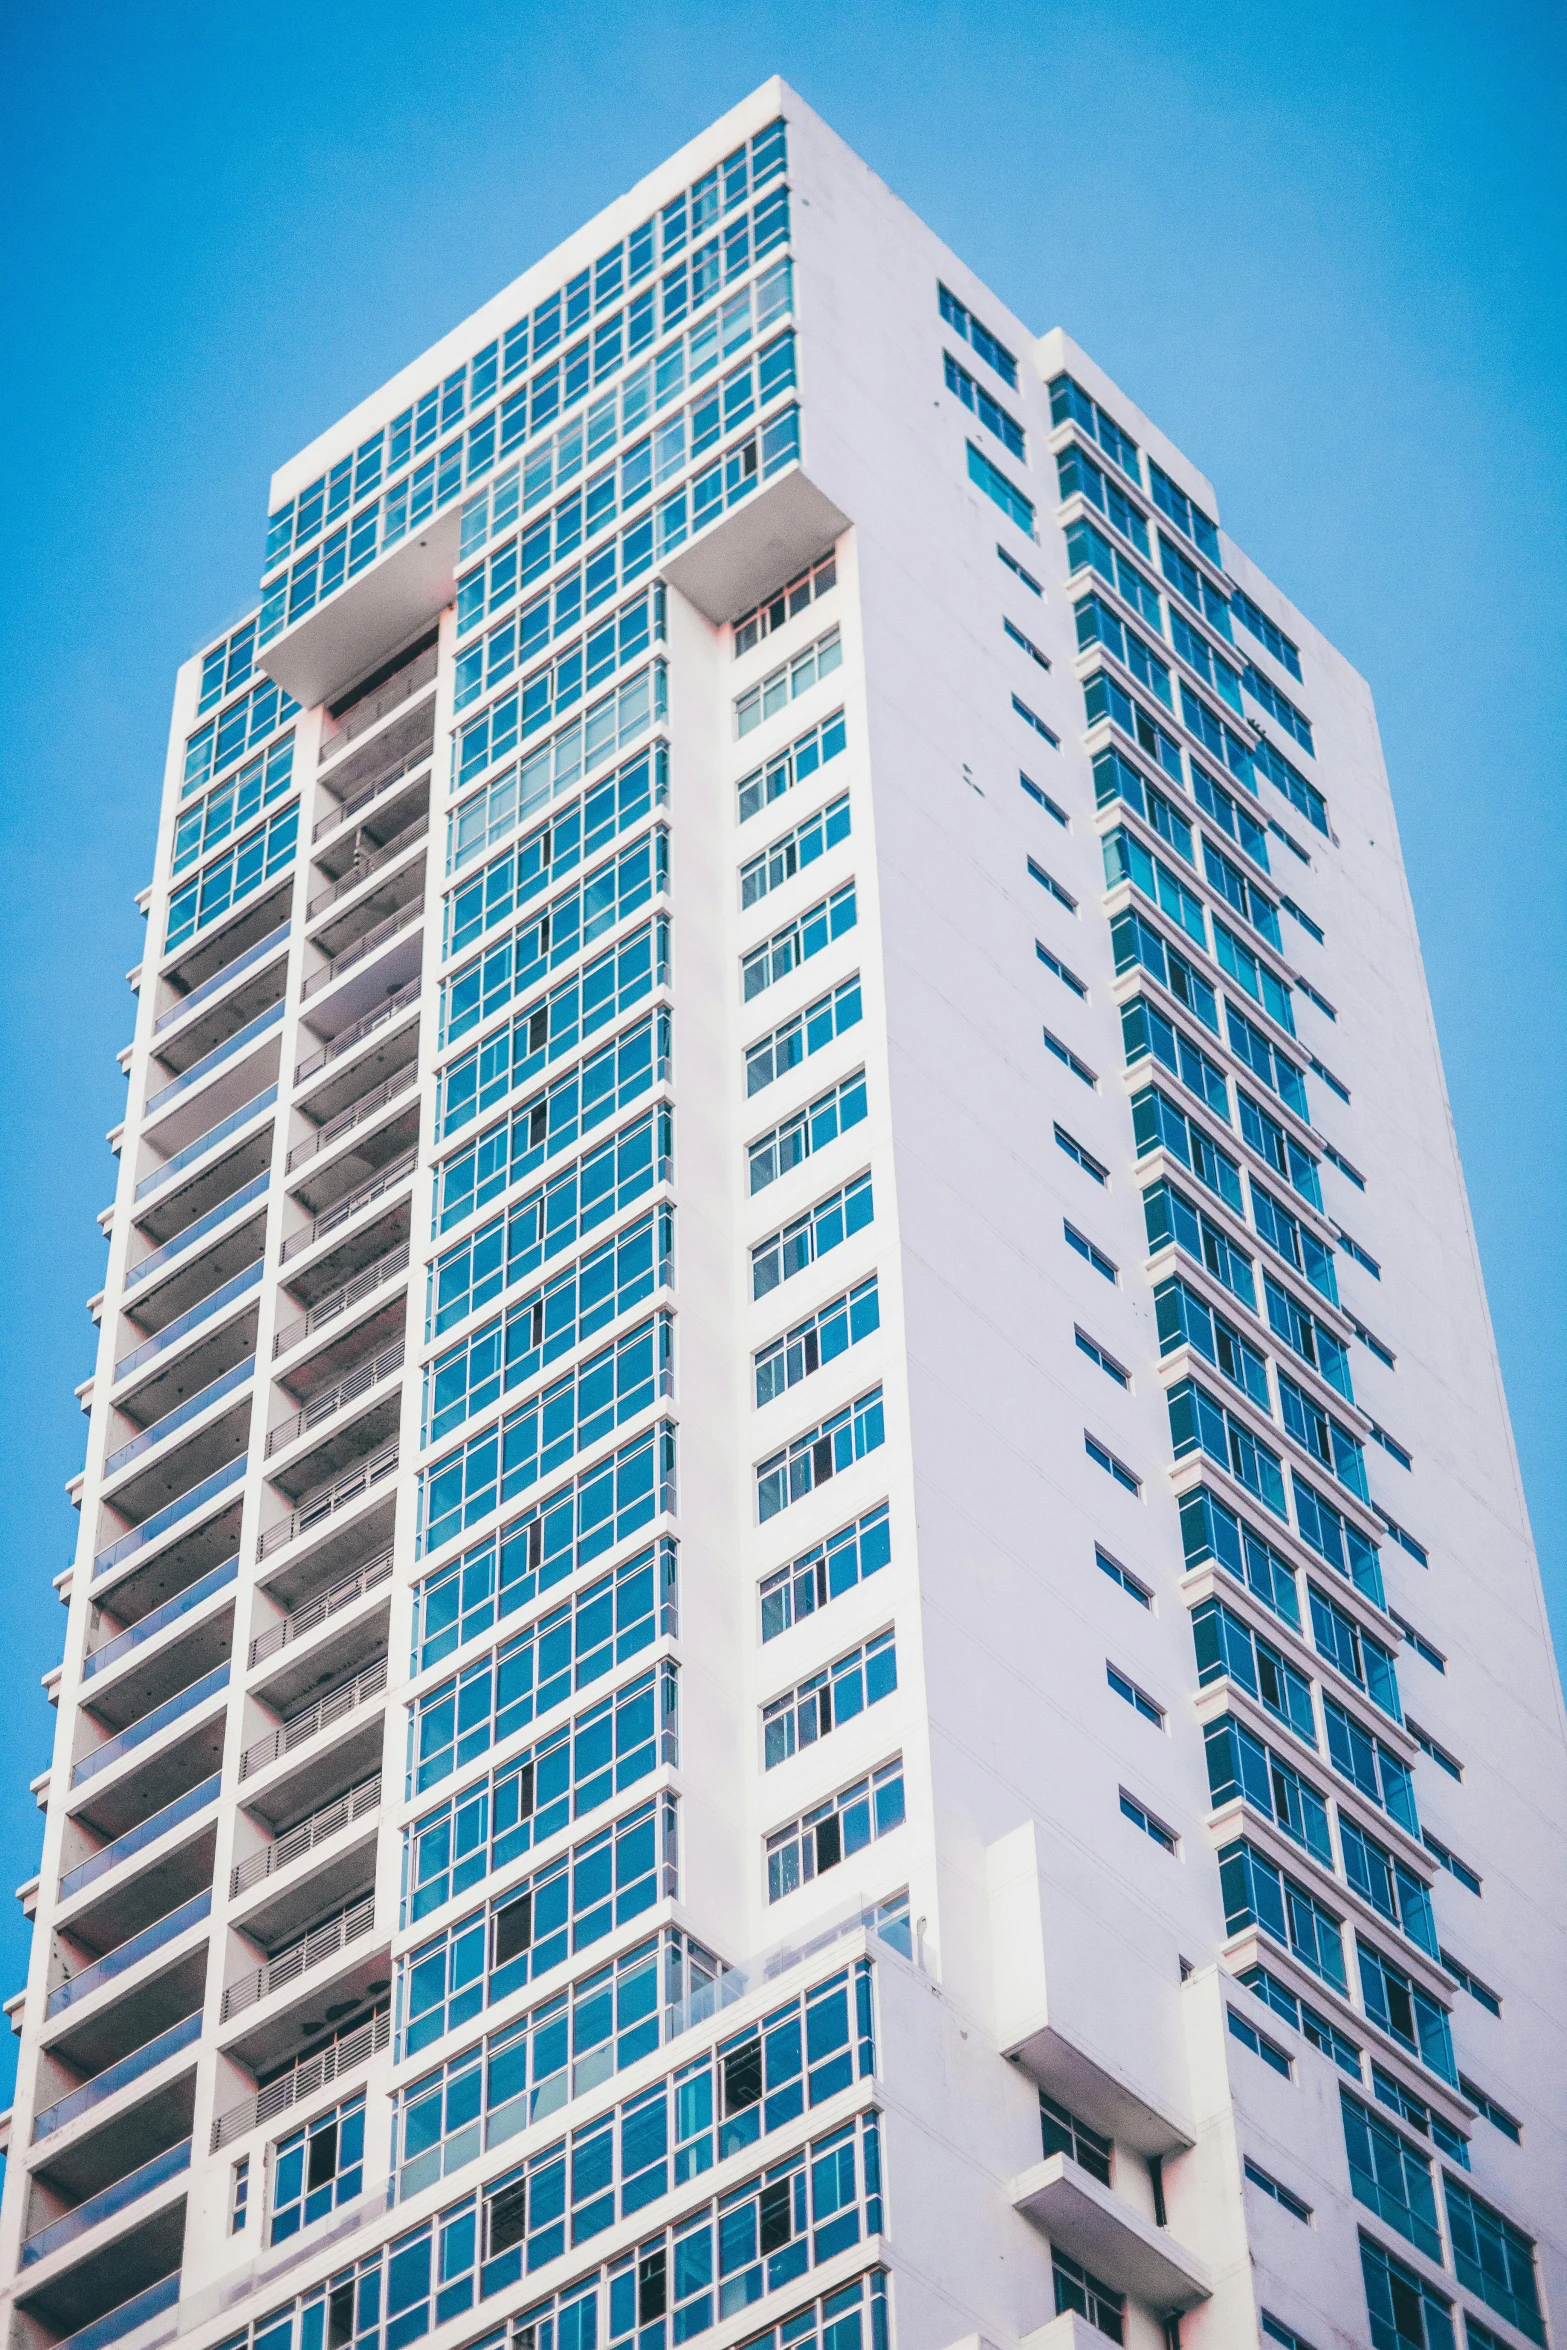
column 1066, row 2332
column 758, row 548
column 1099, row 2228
column 356, row 630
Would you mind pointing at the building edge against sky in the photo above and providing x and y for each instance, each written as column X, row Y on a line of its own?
column 803, row 1603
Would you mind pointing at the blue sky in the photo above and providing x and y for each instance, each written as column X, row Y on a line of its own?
column 1322, row 247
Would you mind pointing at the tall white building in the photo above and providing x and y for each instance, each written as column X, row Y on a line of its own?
column 803, row 1613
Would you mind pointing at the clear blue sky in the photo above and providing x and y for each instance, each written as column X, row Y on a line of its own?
column 1323, row 246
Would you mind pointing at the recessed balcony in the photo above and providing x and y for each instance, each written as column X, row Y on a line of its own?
column 113, row 1649
column 232, row 995
column 113, row 2079
column 324, row 1501
column 87, row 1981
column 93, row 2176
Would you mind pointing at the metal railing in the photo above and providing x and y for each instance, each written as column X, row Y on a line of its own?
column 305, row 1836
column 326, row 1604
column 184, row 1807
column 162, row 1521
column 364, row 866
column 398, row 689
column 405, row 918
column 159, row 1257
column 182, row 1414
column 349, row 1925
column 304, row 2079
column 347, row 1698
column 206, row 1142
column 107, row 2202
column 116, row 2077
column 192, row 1319
column 327, row 1499
column 118, row 1962
column 336, row 1398
column 340, row 1210
column 98, row 1660
column 221, row 979
column 358, row 1030
column 352, row 1293
column 184, row 1701
column 355, row 1115
column 237, row 1043
column 386, row 781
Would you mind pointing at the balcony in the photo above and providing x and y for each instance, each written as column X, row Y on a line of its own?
column 373, row 780
column 326, row 1500
column 405, row 920
column 128, row 2317
column 364, row 863
column 115, row 2077
column 188, row 1806
column 151, row 1725
column 399, row 999
column 304, row 2077
column 341, row 1300
column 227, row 1383
column 249, row 960
column 164, row 1521
column 129, row 1954
column 357, row 1804
column 386, row 1179
column 158, row 1619
column 199, row 1148
column 327, row 1402
column 108, row 2202
column 333, row 1707
column 358, row 1113
column 326, row 1604
column 170, row 1251
column 220, row 1055
column 1108, row 2235
column 337, row 1933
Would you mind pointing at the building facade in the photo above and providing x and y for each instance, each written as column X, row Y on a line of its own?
column 772, row 971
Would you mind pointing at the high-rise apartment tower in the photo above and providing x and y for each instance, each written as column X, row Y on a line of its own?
column 803, row 1614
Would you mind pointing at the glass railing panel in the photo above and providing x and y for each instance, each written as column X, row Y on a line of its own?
column 115, row 2324
column 181, row 1416
column 161, row 1521
column 221, row 979
column 184, row 1807
column 181, row 1604
column 119, row 2076
column 137, row 1734
column 184, row 1324
column 118, row 1962
column 107, row 2202
column 237, row 1043
column 145, row 1267
column 208, row 1141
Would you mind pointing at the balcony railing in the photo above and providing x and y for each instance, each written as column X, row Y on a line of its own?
column 362, row 869
column 398, row 689
column 107, row 2202
column 208, row 1141
column 350, row 1925
column 355, row 1115
column 100, row 1659
column 192, row 1319
column 303, row 2079
column 405, row 918
column 231, row 1045
column 162, row 1521
column 357, row 1804
column 298, row 1731
column 336, row 1398
column 183, row 1413
column 116, row 2077
column 352, row 1293
column 340, row 1210
column 118, row 1962
column 329, row 1498
column 184, row 1807
column 348, row 1037
column 137, row 1734
column 369, row 1577
column 221, row 979
column 389, row 778
column 145, row 1267
column 115, row 2324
